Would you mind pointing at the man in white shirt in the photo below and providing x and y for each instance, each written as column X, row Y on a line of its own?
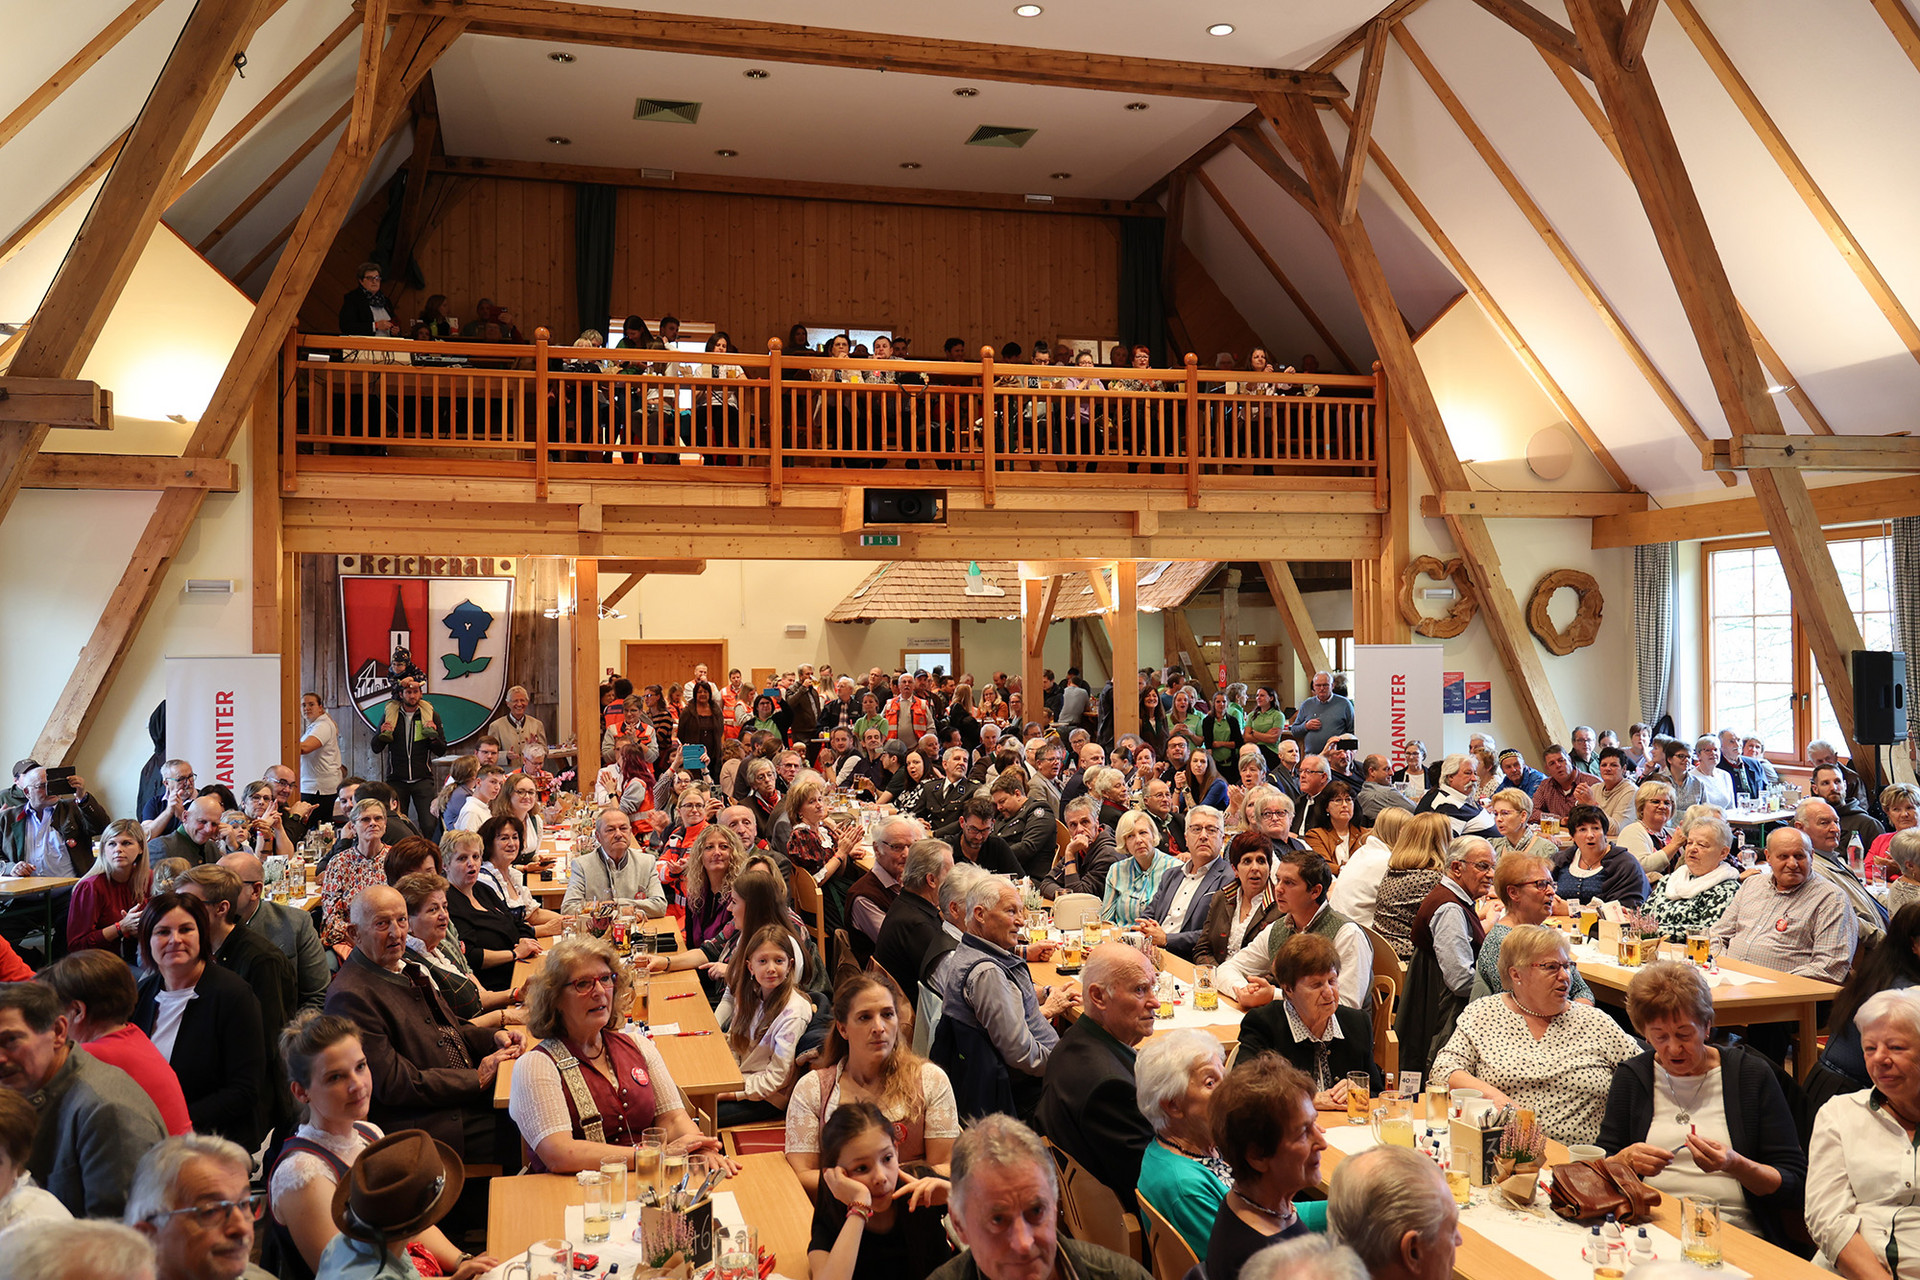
column 516, row 726
column 1300, row 885
column 321, row 772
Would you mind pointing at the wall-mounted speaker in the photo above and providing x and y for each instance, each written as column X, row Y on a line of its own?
column 905, row 506
column 1879, row 696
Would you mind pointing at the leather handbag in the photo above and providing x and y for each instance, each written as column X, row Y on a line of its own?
column 1586, row 1191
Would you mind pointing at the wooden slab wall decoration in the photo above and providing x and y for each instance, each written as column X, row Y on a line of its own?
column 1453, row 621
column 1586, row 622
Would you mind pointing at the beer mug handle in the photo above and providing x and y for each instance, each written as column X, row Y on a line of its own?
column 1373, row 1125
column 525, row 1271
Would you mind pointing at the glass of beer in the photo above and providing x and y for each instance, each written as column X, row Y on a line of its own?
column 1589, row 917
column 1392, row 1125
column 1358, row 1097
column 649, row 1156
column 1206, row 998
column 1700, row 1231
column 593, row 1189
column 1073, row 949
column 1627, row 952
column 1698, row 948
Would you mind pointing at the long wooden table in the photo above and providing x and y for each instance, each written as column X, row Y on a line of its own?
column 1480, row 1259
column 534, row 1206
column 17, row 889
column 702, row 1066
column 1227, row 1030
column 1783, row 997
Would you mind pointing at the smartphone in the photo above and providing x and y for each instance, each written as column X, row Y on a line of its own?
column 60, row 780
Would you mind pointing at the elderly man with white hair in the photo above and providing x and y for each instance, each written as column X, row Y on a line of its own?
column 47, row 1249
column 1447, row 933
column 996, row 1031
column 1790, row 919
column 190, row 1198
column 1860, row 1193
column 1087, row 1106
column 516, row 727
column 1453, row 797
column 1392, row 1207
column 1005, row 1208
column 1181, row 1175
column 1311, row 1257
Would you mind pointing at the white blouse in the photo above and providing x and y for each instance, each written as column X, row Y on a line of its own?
column 769, row 1059
column 805, row 1110
column 537, row 1100
column 1702, row 1099
column 1862, row 1172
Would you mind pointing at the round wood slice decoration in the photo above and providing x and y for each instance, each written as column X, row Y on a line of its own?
column 1453, row 621
column 1586, row 622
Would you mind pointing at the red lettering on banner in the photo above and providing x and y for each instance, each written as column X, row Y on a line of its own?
column 223, row 748
column 1397, row 716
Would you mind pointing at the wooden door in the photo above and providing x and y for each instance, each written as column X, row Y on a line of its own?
column 664, row 662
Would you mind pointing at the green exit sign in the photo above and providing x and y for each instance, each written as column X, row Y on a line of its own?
column 879, row 539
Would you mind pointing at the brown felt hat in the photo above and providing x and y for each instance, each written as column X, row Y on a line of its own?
column 400, row 1186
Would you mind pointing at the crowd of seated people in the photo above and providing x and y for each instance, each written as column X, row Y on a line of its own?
column 187, row 1021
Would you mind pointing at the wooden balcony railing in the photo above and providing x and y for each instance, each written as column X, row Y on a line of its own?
column 542, row 412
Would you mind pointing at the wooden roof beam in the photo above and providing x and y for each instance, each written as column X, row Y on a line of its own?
column 75, row 67
column 263, row 108
column 1543, row 227
column 1825, row 453
column 1776, row 367
column 1554, row 504
column 1397, row 11
column 122, row 218
column 1700, row 278
column 1254, row 145
column 131, row 472
column 627, row 584
column 1043, row 618
column 366, row 82
column 55, row 402
column 1904, row 26
column 411, row 51
column 1536, row 26
column 1851, row 250
column 1360, row 132
column 1493, row 311
column 1415, row 406
column 1279, row 276
column 873, row 51
column 1840, row 504
column 1633, row 40
column 1294, row 616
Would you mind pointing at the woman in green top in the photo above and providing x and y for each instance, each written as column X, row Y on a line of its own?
column 1511, row 808
column 1221, row 732
column 870, row 718
column 1132, row 880
column 1264, row 726
column 1181, row 1174
column 1185, row 712
column 766, row 717
column 1523, row 884
column 1237, row 704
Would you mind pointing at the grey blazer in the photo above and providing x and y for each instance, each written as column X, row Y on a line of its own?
column 593, row 878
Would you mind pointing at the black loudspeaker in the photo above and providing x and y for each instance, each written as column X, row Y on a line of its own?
column 905, row 506
column 1879, row 697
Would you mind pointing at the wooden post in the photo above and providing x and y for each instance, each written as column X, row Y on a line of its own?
column 1033, row 631
column 586, row 669
column 262, row 444
column 1294, row 616
column 1125, row 626
column 986, row 425
column 1230, row 625
column 1076, row 648
column 776, row 422
column 1653, row 159
column 1193, row 429
column 289, row 412
column 540, row 389
column 953, row 644
column 290, row 651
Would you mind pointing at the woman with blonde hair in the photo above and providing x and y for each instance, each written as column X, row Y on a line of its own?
column 1134, row 877
column 713, row 861
column 104, row 910
column 1653, row 837
column 1419, row 860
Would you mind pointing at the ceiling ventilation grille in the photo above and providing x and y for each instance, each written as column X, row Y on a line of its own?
column 663, row 111
column 996, row 135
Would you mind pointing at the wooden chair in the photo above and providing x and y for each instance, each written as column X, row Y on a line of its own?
column 1072, row 910
column 807, row 900
column 1386, row 1041
column 1093, row 1211
column 1170, row 1253
column 1060, row 836
column 753, row 1139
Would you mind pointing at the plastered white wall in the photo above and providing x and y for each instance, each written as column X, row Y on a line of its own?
column 62, row 552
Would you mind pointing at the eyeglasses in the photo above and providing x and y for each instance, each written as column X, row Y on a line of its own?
column 586, row 986
column 525, row 791
column 1533, row 884
column 214, row 1213
column 1555, row 969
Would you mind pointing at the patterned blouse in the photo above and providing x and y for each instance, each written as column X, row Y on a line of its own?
column 1697, row 912
column 1130, row 887
column 1401, row 893
column 348, row 873
column 1563, row 1076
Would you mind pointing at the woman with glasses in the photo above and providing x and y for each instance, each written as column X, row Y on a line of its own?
column 519, row 799
column 1523, row 884
column 1694, row 1119
column 1531, row 1046
column 1694, row 895
column 590, row 1087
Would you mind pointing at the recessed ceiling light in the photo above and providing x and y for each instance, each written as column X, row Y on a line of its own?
column 966, row 91
column 559, row 55
column 1136, row 106
column 726, row 153
column 1027, row 10
column 559, row 141
column 756, row 73
column 1059, row 177
column 1220, row 29
column 909, row 164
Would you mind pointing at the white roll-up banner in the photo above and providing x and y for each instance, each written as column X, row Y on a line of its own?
column 1396, row 696
column 223, row 716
